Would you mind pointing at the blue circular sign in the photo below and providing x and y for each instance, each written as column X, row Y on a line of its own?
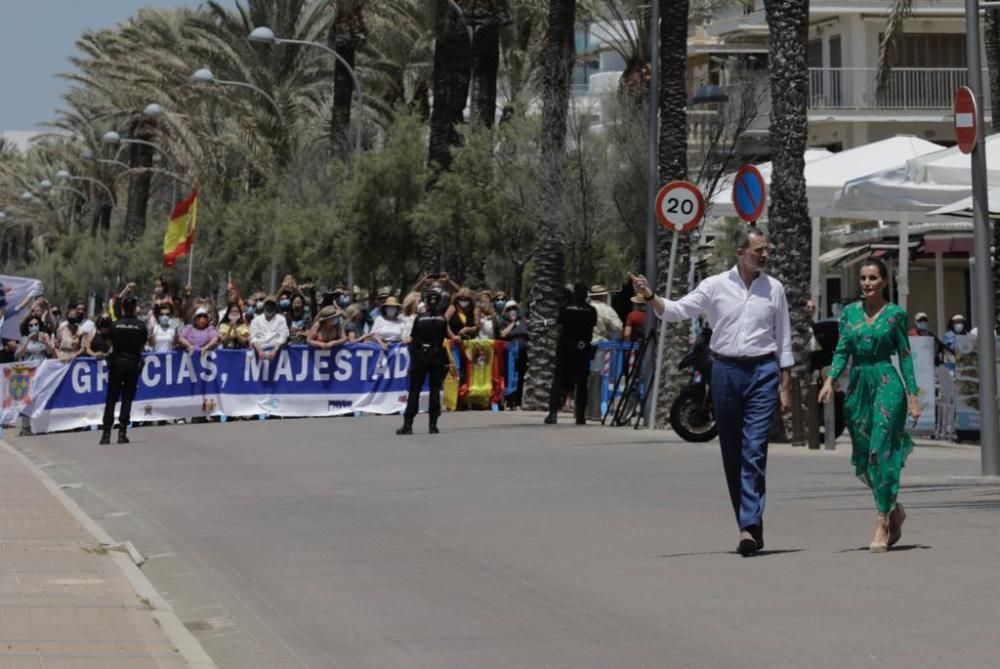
column 749, row 193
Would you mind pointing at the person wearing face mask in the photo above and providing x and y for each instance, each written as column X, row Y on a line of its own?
column 128, row 339
column 956, row 327
column 389, row 328
column 299, row 320
column 36, row 345
column 268, row 331
column 428, row 362
column 461, row 316
column 516, row 329
column 69, row 337
column 200, row 334
column 486, row 317
column 163, row 332
column 234, row 333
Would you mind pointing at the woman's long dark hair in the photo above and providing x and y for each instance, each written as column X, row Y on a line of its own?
column 883, row 271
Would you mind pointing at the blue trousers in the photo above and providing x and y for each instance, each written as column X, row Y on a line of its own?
column 745, row 398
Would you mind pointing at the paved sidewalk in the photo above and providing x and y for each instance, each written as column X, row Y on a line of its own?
column 65, row 600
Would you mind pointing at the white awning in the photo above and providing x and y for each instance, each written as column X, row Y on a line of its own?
column 827, row 176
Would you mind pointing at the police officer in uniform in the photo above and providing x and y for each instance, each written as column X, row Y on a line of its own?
column 428, row 360
column 578, row 320
column 128, row 339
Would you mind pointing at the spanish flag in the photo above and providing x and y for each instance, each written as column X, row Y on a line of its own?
column 179, row 239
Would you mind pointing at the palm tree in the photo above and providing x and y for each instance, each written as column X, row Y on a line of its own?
column 486, row 17
column 558, row 59
column 788, row 211
column 452, row 75
column 672, row 164
column 347, row 33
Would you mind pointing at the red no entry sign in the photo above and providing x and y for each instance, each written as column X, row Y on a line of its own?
column 965, row 119
column 680, row 206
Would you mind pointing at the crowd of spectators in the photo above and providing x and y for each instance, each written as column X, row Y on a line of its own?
column 297, row 314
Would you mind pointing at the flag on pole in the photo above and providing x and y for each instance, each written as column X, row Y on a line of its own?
column 179, row 239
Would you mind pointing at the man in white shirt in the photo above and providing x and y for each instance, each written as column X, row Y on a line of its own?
column 268, row 331
column 752, row 347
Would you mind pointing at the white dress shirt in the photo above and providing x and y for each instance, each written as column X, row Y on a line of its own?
column 745, row 322
column 268, row 334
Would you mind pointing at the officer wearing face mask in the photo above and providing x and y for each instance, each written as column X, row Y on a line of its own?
column 128, row 339
column 921, row 326
column 574, row 352
column 428, row 361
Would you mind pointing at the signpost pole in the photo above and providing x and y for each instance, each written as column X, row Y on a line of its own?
column 654, row 395
column 680, row 207
column 989, row 428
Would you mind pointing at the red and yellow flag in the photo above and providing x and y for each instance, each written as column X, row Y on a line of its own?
column 179, row 239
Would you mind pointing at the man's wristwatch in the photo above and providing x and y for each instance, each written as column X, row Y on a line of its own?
column 649, row 295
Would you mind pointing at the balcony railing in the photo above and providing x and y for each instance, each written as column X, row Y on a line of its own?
column 909, row 88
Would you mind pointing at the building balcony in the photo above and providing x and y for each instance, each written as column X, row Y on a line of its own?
column 909, row 89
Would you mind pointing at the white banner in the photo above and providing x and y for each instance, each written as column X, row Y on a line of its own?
column 299, row 382
column 20, row 293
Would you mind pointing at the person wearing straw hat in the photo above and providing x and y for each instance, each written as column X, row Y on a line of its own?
column 635, row 322
column 389, row 328
column 327, row 331
column 609, row 325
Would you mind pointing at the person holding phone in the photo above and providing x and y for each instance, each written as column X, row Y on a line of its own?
column 871, row 332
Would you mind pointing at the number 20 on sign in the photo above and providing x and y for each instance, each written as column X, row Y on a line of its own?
column 680, row 206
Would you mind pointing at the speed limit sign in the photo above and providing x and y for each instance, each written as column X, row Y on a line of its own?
column 680, row 206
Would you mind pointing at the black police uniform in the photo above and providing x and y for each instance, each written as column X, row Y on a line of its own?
column 573, row 357
column 428, row 360
column 128, row 339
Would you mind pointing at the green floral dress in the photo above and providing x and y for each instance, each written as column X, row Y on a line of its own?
column 876, row 403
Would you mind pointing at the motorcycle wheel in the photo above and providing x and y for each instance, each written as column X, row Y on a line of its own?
column 691, row 415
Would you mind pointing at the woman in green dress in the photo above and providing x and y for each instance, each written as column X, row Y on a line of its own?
column 871, row 332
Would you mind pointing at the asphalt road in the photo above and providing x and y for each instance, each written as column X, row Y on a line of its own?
column 503, row 544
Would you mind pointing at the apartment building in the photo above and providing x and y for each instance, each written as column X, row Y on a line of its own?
column 845, row 107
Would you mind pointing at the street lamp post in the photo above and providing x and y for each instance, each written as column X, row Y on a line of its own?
column 205, row 76
column 64, row 175
column 265, row 35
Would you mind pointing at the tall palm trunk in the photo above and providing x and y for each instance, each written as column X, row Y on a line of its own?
column 557, row 60
column 673, row 167
column 992, row 33
column 347, row 34
column 140, row 156
column 485, row 64
column 788, row 213
column 452, row 73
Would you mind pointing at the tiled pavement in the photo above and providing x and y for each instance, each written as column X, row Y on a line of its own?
column 66, row 601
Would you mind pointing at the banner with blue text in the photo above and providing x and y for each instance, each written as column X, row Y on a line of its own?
column 299, row 382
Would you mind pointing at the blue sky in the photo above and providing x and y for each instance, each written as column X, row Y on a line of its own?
column 36, row 39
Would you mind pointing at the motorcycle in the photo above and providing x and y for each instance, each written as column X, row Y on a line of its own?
column 692, row 416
